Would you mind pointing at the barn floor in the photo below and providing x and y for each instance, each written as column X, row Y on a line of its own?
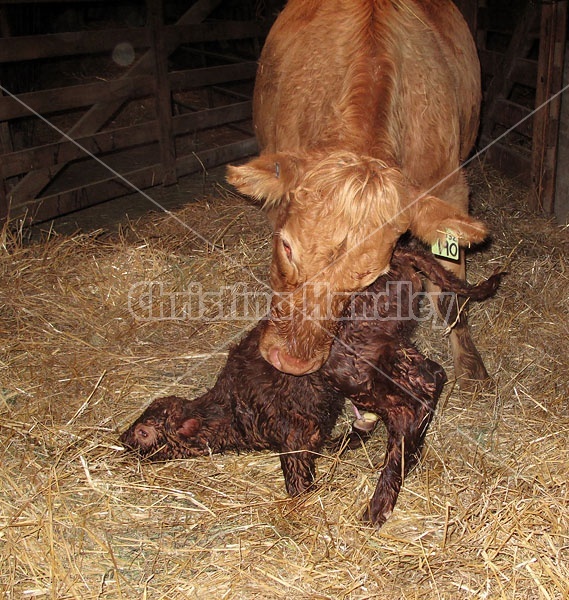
column 91, row 330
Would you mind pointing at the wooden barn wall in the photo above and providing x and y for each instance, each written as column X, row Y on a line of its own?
column 562, row 180
column 42, row 177
column 47, row 174
column 521, row 49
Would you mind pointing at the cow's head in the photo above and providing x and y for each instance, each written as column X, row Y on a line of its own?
column 336, row 221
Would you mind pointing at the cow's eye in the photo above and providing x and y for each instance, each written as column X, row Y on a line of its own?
column 287, row 249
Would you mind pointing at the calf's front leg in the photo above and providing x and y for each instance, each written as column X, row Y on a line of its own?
column 298, row 470
column 407, row 410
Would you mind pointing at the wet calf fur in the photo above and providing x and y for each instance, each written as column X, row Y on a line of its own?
column 373, row 363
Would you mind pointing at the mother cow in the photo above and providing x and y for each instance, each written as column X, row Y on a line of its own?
column 364, row 110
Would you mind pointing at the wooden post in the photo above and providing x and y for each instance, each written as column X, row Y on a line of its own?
column 5, row 137
column 548, row 104
column 162, row 94
column 561, row 208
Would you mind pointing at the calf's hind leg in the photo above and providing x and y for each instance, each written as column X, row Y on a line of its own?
column 407, row 410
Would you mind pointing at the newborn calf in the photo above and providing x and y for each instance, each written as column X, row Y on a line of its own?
column 373, row 363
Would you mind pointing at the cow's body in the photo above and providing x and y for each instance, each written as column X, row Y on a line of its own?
column 397, row 81
column 372, row 362
column 364, row 110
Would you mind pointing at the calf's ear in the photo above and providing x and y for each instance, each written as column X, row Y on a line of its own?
column 189, row 428
column 268, row 177
column 431, row 218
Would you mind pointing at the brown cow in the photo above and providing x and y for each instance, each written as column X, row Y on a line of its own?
column 364, row 110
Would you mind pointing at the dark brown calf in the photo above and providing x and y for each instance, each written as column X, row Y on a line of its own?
column 373, row 363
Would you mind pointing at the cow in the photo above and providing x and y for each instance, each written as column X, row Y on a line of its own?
column 372, row 362
column 364, row 111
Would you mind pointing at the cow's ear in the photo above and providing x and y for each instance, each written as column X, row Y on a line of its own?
column 431, row 218
column 268, row 178
column 189, row 428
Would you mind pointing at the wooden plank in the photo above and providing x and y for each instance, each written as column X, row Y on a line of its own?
column 20, row 48
column 101, row 112
column 41, row 209
column 5, row 134
column 546, row 119
column 561, row 207
column 197, row 78
column 490, row 61
column 218, row 56
column 58, row 1
column 214, row 31
column 510, row 160
column 49, row 207
column 33, row 47
column 121, row 138
column 522, row 70
column 74, row 96
column 502, row 20
column 501, row 84
column 163, row 95
column 509, row 114
column 212, row 117
column 216, row 156
column 60, row 153
column 199, row 11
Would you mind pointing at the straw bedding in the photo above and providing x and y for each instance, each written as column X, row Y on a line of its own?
column 485, row 515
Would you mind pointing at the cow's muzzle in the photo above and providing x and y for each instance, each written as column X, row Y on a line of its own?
column 274, row 350
column 286, row 363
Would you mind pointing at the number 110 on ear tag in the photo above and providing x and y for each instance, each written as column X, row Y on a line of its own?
column 447, row 247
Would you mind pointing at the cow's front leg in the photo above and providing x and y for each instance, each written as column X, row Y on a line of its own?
column 468, row 364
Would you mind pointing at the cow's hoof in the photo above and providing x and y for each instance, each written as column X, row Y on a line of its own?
column 469, row 370
column 471, row 374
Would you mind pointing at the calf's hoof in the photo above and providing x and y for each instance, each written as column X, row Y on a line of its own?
column 472, row 376
column 377, row 516
column 350, row 441
column 361, row 432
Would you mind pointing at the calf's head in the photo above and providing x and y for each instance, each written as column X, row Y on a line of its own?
column 336, row 222
column 173, row 427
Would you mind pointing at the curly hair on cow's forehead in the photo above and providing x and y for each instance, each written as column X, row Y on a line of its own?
column 355, row 188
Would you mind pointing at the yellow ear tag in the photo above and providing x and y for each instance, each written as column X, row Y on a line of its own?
column 447, row 247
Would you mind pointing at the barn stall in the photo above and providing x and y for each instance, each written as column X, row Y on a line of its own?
column 93, row 327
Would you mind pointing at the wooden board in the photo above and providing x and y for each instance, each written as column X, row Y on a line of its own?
column 34, row 180
column 561, row 208
column 548, row 104
column 47, row 207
